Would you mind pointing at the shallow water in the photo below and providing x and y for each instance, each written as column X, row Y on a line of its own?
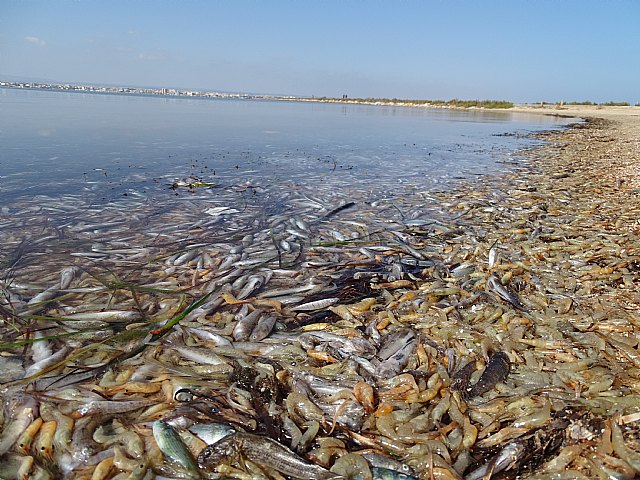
column 83, row 172
column 110, row 145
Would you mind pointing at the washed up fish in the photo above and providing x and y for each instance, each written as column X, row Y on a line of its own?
column 494, row 285
column 211, row 433
column 172, row 447
column 344, row 346
column 380, row 473
column 264, row 451
column 340, row 209
column 496, row 371
column 316, row 305
column 396, row 349
column 385, row 463
column 215, row 211
column 505, row 459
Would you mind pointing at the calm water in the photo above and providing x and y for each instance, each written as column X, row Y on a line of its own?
column 57, row 143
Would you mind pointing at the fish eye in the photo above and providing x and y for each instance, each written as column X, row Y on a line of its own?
column 206, row 452
column 183, row 395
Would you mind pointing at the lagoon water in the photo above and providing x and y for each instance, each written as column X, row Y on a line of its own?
column 84, row 176
column 110, row 146
column 101, row 257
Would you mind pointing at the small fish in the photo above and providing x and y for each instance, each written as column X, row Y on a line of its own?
column 496, row 371
column 493, row 256
column 172, row 447
column 385, row 463
column 202, row 356
column 108, row 407
column 493, row 283
column 340, row 209
column 43, row 364
column 507, row 457
column 115, row 316
column 245, row 325
column 265, row 451
column 254, row 282
column 67, row 275
column 379, row 473
column 316, row 305
column 211, row 433
column 397, row 347
column 263, row 328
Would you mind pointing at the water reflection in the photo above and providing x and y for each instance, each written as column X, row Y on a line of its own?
column 54, row 142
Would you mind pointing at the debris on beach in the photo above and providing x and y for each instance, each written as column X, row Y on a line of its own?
column 491, row 331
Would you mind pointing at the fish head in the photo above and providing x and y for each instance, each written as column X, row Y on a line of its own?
column 212, row 455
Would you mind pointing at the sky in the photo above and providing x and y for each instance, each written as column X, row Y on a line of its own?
column 517, row 50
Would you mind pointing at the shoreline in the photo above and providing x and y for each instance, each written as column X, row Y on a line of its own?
column 624, row 129
column 558, row 229
column 612, row 152
column 566, row 228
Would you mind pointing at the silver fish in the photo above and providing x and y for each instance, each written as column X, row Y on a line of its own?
column 211, row 433
column 172, row 447
column 316, row 305
column 504, row 460
column 494, row 284
column 265, row 451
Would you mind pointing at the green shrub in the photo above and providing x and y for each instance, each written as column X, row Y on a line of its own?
column 449, row 103
column 615, row 104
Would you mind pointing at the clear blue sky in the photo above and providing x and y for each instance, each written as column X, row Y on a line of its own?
column 513, row 49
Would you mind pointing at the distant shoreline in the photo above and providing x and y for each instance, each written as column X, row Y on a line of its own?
column 469, row 105
column 582, row 110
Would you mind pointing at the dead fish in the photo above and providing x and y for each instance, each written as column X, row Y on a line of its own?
column 493, row 283
column 211, row 433
column 381, row 473
column 493, row 256
column 265, row 451
column 504, row 460
column 41, row 365
column 245, row 325
column 396, row 349
column 263, row 328
column 316, row 305
column 385, row 462
column 496, row 371
column 107, row 407
column 67, row 275
column 339, row 209
column 172, row 446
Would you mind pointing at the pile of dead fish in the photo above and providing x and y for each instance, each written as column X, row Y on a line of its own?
column 323, row 332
